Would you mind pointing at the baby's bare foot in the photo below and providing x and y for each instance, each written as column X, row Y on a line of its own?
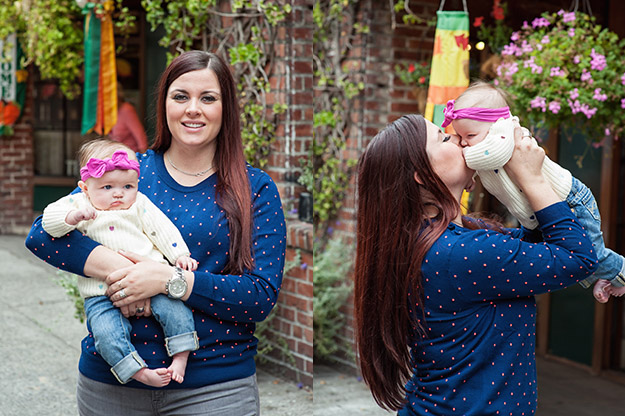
column 600, row 291
column 178, row 366
column 617, row 291
column 156, row 378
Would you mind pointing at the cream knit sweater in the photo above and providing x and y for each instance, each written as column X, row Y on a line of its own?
column 489, row 156
column 143, row 229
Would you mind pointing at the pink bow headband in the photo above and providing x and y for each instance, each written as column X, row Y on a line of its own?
column 95, row 168
column 473, row 113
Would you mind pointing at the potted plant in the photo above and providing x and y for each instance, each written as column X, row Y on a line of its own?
column 564, row 68
column 417, row 76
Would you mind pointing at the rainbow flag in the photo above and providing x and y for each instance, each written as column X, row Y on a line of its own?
column 99, row 109
column 449, row 73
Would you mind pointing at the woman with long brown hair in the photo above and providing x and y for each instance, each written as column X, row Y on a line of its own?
column 231, row 218
column 445, row 313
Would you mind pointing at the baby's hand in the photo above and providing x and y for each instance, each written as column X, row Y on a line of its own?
column 187, row 263
column 75, row 216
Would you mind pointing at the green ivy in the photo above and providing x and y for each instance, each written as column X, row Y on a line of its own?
column 336, row 85
column 247, row 40
column 332, row 267
column 51, row 35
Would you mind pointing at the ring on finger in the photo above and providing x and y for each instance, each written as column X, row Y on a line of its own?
column 122, row 294
column 141, row 309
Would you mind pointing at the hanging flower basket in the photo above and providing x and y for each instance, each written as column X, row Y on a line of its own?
column 562, row 68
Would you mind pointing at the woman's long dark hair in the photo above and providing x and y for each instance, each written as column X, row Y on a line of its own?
column 233, row 186
column 394, row 232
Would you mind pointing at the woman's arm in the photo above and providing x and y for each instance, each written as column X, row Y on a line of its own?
column 496, row 266
column 248, row 297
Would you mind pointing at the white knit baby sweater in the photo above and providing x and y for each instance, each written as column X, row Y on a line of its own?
column 141, row 229
column 489, row 156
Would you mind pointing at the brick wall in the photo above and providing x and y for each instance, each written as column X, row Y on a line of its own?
column 384, row 99
column 291, row 328
column 16, row 173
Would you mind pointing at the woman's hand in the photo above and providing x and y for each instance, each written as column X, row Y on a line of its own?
column 525, row 165
column 131, row 287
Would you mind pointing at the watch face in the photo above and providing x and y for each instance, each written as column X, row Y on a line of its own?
column 177, row 288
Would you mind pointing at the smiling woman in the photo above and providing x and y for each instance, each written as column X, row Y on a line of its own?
column 226, row 210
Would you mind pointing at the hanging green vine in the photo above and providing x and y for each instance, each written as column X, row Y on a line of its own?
column 336, row 85
column 51, row 35
column 245, row 31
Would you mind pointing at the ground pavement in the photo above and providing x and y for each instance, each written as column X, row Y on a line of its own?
column 41, row 339
column 562, row 391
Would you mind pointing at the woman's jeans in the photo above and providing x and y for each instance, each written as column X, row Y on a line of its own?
column 111, row 332
column 611, row 264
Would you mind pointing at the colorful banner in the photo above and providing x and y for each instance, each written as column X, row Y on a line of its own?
column 12, row 84
column 449, row 73
column 99, row 112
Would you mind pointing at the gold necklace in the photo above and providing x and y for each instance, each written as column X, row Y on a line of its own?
column 187, row 173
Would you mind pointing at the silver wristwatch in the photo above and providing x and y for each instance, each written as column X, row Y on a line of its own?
column 177, row 285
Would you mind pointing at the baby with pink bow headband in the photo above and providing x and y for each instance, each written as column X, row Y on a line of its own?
column 111, row 210
column 482, row 119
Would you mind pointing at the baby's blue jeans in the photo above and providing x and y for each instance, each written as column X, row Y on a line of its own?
column 611, row 264
column 111, row 332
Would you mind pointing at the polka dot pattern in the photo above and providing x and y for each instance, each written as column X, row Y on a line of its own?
column 225, row 307
column 480, row 314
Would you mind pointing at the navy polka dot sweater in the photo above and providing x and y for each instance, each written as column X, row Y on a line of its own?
column 480, row 314
column 225, row 307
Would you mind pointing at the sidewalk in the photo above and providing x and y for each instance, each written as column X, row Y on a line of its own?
column 562, row 391
column 41, row 340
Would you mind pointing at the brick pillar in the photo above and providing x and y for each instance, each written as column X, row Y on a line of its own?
column 292, row 85
column 16, row 172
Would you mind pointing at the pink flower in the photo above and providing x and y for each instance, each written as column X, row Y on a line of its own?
column 586, row 76
column 577, row 60
column 575, row 106
column 511, row 49
column 515, row 36
column 588, row 112
column 540, row 22
column 554, row 107
column 571, row 32
column 623, row 103
column 568, row 17
column 574, row 94
column 623, row 79
column 545, row 39
column 538, row 102
column 599, row 96
column 556, row 72
column 598, row 61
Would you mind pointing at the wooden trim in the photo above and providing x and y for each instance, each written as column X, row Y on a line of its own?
column 568, row 362
column 55, row 181
column 543, row 317
column 613, row 375
column 542, row 322
column 608, row 206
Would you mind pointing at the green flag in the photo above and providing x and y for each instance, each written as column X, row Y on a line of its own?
column 92, row 70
